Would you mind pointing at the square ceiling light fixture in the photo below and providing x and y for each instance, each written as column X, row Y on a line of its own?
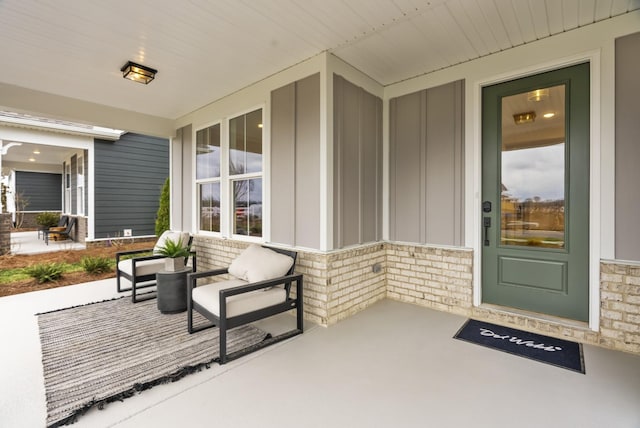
column 138, row 73
column 526, row 117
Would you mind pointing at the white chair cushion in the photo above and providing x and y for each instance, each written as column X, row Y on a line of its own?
column 257, row 263
column 143, row 267
column 174, row 236
column 208, row 296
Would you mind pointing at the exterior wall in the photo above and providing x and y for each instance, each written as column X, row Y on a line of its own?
column 627, row 148
column 295, row 163
column 438, row 278
column 426, row 166
column 357, row 165
column 43, row 191
column 620, row 301
column 129, row 175
column 5, row 233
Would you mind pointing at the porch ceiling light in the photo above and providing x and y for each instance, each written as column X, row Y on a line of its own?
column 526, row 117
column 138, row 73
column 538, row 95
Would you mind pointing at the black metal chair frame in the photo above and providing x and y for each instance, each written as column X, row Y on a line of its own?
column 149, row 280
column 64, row 219
column 226, row 323
column 66, row 232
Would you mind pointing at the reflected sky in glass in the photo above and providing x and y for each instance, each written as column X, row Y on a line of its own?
column 534, row 172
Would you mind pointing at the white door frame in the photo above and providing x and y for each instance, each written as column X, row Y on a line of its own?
column 594, row 181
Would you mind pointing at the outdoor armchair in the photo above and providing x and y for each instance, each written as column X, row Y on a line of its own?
column 139, row 267
column 60, row 231
column 258, row 286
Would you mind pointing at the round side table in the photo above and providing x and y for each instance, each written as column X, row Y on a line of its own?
column 172, row 291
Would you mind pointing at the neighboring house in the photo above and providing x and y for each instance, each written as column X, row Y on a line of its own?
column 111, row 186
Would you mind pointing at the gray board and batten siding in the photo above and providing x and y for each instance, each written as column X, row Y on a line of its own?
column 427, row 166
column 627, row 125
column 295, row 163
column 42, row 191
column 129, row 175
column 357, row 165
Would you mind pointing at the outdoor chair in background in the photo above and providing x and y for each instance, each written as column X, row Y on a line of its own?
column 62, row 222
column 59, row 232
column 259, row 287
column 139, row 267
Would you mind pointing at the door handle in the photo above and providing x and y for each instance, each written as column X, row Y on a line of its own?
column 487, row 224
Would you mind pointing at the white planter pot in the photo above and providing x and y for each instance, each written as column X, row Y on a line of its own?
column 173, row 264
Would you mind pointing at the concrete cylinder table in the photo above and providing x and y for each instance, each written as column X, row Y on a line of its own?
column 172, row 291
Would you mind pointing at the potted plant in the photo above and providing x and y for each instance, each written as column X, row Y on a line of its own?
column 175, row 252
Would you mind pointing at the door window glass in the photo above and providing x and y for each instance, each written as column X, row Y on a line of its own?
column 533, row 168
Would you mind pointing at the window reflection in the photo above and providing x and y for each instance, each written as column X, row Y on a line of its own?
column 245, row 143
column 208, row 152
column 533, row 169
column 210, row 207
column 247, row 207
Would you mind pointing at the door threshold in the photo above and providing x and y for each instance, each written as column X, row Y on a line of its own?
column 565, row 322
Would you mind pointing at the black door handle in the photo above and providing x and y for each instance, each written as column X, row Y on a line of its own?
column 487, row 225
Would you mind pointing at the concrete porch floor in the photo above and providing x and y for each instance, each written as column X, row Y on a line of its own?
column 392, row 365
column 29, row 243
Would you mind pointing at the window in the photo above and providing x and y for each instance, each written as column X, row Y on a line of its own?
column 235, row 193
column 80, row 174
column 67, row 188
column 208, row 177
column 245, row 172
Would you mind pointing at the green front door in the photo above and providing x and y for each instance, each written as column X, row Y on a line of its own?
column 535, row 193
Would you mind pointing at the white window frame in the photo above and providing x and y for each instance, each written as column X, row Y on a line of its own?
column 227, row 181
column 80, row 185
column 67, row 187
column 213, row 180
column 231, row 179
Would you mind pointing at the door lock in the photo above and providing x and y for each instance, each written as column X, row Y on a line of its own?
column 486, row 206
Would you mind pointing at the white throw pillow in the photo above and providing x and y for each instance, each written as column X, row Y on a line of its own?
column 257, row 263
column 174, row 236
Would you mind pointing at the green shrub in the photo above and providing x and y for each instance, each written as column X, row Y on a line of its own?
column 162, row 216
column 96, row 265
column 47, row 219
column 45, row 272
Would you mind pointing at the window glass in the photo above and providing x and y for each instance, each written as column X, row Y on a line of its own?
column 210, row 207
column 533, row 168
column 245, row 143
column 247, row 207
column 208, row 152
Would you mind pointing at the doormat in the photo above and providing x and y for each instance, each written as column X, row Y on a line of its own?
column 557, row 352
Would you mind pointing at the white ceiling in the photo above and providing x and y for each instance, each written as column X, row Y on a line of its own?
column 206, row 49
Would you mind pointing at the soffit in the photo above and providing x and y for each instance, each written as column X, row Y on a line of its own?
column 207, row 49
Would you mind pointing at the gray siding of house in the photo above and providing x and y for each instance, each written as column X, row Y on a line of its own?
column 426, row 166
column 295, row 163
column 627, row 147
column 357, row 173
column 42, row 191
column 129, row 175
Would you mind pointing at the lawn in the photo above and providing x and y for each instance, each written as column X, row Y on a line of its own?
column 14, row 279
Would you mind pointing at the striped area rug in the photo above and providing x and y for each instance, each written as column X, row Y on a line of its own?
column 104, row 352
